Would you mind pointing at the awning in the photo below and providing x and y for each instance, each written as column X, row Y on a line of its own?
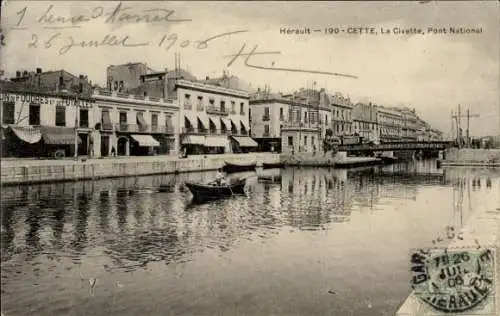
column 216, row 122
column 59, row 135
column 244, row 125
column 146, row 140
column 140, row 119
column 193, row 140
column 245, row 141
column 29, row 134
column 192, row 119
column 215, row 141
column 233, row 123
column 226, row 122
column 204, row 120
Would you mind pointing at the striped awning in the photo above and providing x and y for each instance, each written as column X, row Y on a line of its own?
column 193, row 140
column 59, row 135
column 215, row 141
column 244, row 124
column 245, row 141
column 191, row 119
column 204, row 120
column 216, row 122
column 226, row 122
column 28, row 134
column 145, row 140
column 235, row 123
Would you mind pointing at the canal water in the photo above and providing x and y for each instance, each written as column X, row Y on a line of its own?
column 308, row 242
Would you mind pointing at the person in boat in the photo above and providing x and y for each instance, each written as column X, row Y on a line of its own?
column 220, row 178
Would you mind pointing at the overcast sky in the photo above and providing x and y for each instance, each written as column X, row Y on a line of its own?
column 432, row 73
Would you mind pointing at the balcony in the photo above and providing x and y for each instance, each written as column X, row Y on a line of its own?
column 217, row 111
column 233, row 112
column 282, row 118
column 202, row 131
column 106, row 127
column 313, row 127
column 136, row 128
column 265, row 118
column 82, row 124
column 199, row 107
column 242, row 112
column 188, row 106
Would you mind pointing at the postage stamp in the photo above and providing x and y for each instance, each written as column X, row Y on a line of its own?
column 460, row 281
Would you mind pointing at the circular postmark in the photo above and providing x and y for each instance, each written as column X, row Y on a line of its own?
column 454, row 280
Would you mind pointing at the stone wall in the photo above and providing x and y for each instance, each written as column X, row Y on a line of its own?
column 37, row 171
column 473, row 155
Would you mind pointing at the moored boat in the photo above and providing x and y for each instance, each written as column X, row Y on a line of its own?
column 212, row 191
column 235, row 167
column 273, row 165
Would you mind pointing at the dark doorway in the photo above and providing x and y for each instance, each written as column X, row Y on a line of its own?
column 122, row 146
column 83, row 147
column 104, row 146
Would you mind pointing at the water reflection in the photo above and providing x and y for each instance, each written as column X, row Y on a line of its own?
column 131, row 223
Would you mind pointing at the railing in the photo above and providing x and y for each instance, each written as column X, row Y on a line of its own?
column 411, row 145
column 83, row 124
column 242, row 112
column 199, row 107
column 134, row 128
column 265, row 118
column 106, row 127
column 233, row 112
column 303, row 126
column 282, row 118
column 201, row 131
column 188, row 106
column 108, row 93
column 215, row 110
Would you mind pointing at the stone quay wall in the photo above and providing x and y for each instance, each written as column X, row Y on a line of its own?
column 24, row 171
column 472, row 157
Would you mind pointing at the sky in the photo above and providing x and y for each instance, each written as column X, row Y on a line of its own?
column 432, row 73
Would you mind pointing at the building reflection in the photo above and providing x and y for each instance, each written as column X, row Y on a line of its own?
column 137, row 223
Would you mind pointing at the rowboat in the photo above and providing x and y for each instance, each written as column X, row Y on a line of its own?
column 213, row 191
column 272, row 165
column 234, row 167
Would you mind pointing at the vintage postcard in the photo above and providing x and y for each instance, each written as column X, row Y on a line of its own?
column 282, row 158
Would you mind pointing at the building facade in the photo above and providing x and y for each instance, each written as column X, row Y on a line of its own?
column 390, row 124
column 131, row 125
column 213, row 119
column 46, row 124
column 364, row 121
column 341, row 115
column 284, row 122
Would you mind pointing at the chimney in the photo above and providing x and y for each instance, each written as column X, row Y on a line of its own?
column 207, row 78
column 18, row 74
column 39, row 70
column 25, row 73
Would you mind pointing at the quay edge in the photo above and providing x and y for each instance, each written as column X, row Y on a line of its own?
column 17, row 172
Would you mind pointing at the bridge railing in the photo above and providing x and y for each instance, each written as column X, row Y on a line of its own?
column 436, row 145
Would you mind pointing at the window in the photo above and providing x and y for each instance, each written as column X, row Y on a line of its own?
column 187, row 97
column 84, row 118
column 312, row 140
column 305, row 117
column 8, row 113
column 290, row 140
column 60, row 116
column 154, row 119
column 281, row 127
column 34, row 114
column 212, row 102
column 168, row 123
column 281, row 113
column 223, row 106
column 123, row 118
column 266, row 111
column 266, row 130
column 305, row 140
column 242, row 108
column 233, row 107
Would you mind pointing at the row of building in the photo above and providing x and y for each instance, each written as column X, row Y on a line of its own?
column 144, row 112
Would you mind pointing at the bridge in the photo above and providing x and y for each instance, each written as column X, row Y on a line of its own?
column 393, row 146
